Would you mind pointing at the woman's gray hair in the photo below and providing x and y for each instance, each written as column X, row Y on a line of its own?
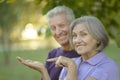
column 61, row 10
column 95, row 28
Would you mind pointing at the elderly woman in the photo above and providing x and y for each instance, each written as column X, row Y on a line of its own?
column 89, row 38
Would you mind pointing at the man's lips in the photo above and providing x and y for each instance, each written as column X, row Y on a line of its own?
column 62, row 38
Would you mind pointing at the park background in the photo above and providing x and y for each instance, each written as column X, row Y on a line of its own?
column 24, row 32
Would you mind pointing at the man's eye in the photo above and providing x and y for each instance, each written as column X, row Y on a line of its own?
column 61, row 25
column 52, row 27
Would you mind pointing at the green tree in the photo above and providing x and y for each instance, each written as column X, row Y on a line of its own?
column 7, row 20
column 15, row 14
column 19, row 12
column 108, row 11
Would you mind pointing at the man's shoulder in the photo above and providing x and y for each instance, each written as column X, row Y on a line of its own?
column 54, row 52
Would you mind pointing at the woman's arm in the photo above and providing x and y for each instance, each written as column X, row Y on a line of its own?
column 45, row 75
column 36, row 66
column 66, row 62
column 72, row 71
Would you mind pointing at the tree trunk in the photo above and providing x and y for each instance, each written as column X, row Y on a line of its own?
column 6, row 46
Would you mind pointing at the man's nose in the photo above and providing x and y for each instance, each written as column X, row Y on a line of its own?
column 58, row 31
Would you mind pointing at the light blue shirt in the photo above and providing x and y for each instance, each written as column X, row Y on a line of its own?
column 99, row 66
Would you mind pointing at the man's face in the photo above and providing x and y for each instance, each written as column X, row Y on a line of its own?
column 60, row 28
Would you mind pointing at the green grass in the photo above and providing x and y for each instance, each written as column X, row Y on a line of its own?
column 17, row 71
column 113, row 51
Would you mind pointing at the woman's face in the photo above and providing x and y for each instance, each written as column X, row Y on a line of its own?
column 83, row 41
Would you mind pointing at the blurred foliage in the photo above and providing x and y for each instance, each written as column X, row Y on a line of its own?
column 19, row 12
column 14, row 15
column 7, row 14
column 48, row 33
column 108, row 11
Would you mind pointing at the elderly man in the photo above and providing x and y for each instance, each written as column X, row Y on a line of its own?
column 59, row 19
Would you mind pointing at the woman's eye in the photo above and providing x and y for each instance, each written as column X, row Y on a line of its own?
column 74, row 35
column 83, row 34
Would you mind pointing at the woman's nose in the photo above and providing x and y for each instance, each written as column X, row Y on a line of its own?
column 77, row 39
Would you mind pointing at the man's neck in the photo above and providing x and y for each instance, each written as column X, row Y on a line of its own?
column 67, row 48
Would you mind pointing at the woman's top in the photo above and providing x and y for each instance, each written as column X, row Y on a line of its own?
column 99, row 66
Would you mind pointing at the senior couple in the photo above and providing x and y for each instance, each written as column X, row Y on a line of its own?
column 81, row 55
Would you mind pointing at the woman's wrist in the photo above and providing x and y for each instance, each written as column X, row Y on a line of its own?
column 72, row 64
column 45, row 74
column 72, row 71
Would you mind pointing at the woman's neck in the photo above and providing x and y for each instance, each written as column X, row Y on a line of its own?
column 87, row 56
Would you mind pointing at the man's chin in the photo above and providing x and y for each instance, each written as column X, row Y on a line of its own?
column 64, row 43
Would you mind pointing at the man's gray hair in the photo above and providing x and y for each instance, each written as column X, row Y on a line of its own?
column 61, row 10
column 95, row 28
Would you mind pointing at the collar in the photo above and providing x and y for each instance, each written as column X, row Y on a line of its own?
column 96, row 59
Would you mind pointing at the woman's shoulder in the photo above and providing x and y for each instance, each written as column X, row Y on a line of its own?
column 107, row 68
column 108, row 62
column 108, row 65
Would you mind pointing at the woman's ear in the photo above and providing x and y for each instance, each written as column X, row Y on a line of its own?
column 98, row 42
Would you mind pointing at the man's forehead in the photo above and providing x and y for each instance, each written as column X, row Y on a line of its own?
column 58, row 19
